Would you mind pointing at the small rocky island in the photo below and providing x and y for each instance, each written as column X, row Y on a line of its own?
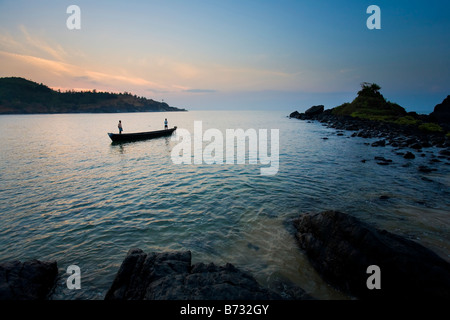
column 21, row 96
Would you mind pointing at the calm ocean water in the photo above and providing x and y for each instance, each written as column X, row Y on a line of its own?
column 68, row 194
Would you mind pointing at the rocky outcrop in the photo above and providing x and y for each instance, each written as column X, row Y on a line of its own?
column 441, row 112
column 314, row 110
column 170, row 276
column 294, row 114
column 30, row 280
column 341, row 248
column 311, row 114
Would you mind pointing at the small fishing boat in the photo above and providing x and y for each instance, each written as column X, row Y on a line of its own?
column 125, row 137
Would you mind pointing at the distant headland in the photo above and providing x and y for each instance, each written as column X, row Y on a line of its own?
column 22, row 96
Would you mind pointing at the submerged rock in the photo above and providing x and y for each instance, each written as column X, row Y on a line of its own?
column 170, row 276
column 341, row 248
column 30, row 280
column 383, row 161
column 379, row 143
column 426, row 169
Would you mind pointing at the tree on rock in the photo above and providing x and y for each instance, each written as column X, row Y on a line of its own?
column 370, row 104
column 369, row 90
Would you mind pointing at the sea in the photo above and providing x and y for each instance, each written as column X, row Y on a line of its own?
column 69, row 194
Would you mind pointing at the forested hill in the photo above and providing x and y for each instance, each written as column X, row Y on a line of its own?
column 21, row 96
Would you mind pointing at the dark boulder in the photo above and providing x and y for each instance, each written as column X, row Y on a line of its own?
column 314, row 110
column 416, row 146
column 170, row 276
column 426, row 169
column 294, row 114
column 341, row 248
column 409, row 155
column 30, row 280
column 379, row 143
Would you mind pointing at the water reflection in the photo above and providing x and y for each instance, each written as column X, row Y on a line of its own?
column 118, row 147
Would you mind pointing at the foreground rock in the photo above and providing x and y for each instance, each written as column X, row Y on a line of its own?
column 341, row 248
column 31, row 280
column 170, row 276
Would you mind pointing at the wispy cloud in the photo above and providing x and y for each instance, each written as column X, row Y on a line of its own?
column 9, row 43
column 56, row 67
column 34, row 57
column 66, row 71
column 200, row 91
column 41, row 46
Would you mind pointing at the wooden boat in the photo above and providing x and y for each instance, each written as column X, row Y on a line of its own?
column 125, row 137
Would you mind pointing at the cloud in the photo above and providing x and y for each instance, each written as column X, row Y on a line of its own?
column 45, row 70
column 56, row 52
column 36, row 58
column 10, row 60
column 9, row 43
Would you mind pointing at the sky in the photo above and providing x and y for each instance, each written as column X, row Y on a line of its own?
column 233, row 55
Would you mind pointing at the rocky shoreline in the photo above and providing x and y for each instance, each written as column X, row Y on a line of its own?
column 407, row 141
column 150, row 276
column 170, row 276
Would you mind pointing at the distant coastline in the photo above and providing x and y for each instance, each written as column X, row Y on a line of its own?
column 22, row 96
